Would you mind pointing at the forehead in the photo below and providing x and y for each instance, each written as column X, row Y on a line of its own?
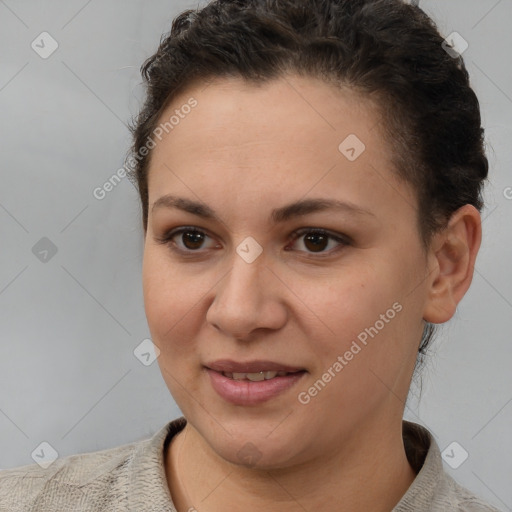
column 289, row 135
column 297, row 110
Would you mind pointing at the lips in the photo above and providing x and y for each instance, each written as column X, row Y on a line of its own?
column 252, row 383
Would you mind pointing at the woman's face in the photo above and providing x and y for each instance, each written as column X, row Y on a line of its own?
column 257, row 289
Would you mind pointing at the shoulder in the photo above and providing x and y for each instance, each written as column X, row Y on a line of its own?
column 433, row 489
column 66, row 478
column 453, row 496
column 88, row 481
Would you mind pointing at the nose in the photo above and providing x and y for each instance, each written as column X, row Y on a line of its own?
column 248, row 298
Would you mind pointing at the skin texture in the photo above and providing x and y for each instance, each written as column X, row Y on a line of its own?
column 243, row 151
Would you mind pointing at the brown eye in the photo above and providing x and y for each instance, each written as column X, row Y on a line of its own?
column 318, row 240
column 192, row 239
column 186, row 239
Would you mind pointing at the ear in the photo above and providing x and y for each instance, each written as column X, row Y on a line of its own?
column 451, row 259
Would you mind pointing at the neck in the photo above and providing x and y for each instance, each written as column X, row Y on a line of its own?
column 370, row 472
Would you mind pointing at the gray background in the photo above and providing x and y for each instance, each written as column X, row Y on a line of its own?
column 69, row 325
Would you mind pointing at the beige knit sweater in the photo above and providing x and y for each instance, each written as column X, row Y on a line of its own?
column 132, row 478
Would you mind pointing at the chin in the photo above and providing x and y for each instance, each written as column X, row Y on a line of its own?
column 256, row 452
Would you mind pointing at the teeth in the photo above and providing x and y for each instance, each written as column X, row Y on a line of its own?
column 254, row 377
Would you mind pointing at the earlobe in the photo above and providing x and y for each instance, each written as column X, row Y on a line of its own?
column 452, row 260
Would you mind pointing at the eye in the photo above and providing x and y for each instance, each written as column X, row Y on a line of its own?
column 316, row 240
column 191, row 239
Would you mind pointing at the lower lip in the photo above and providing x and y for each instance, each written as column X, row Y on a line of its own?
column 245, row 392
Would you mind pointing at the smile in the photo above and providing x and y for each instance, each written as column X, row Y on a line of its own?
column 253, row 388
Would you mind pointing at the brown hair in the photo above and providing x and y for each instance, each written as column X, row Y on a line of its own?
column 387, row 50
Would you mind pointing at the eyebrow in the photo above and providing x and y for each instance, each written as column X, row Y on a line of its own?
column 278, row 215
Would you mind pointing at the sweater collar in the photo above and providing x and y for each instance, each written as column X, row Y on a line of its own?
column 148, row 483
column 425, row 458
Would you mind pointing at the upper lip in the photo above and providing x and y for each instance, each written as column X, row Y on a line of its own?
column 229, row 366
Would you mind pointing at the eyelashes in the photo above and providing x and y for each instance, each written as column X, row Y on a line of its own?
column 323, row 235
column 316, row 238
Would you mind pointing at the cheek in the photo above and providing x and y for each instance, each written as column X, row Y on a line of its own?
column 350, row 302
column 170, row 301
column 371, row 324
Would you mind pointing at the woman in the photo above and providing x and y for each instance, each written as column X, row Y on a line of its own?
column 310, row 176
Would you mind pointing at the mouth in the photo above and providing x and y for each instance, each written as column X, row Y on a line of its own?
column 253, row 382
